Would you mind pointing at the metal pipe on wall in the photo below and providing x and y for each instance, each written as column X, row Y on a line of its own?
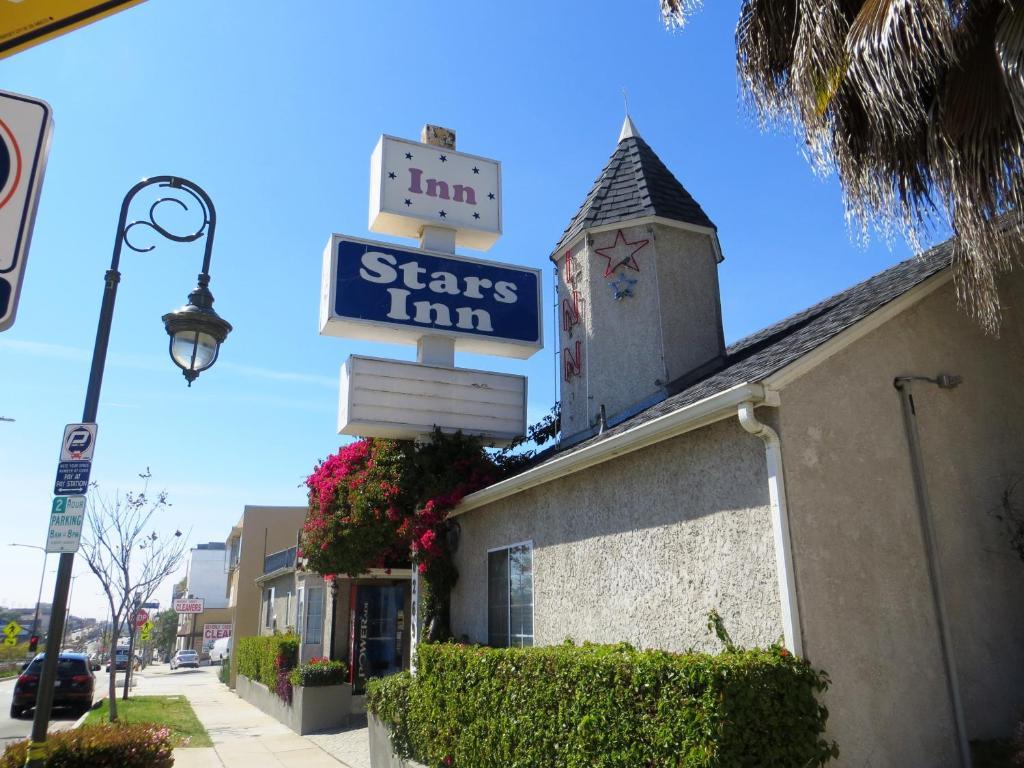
column 925, row 517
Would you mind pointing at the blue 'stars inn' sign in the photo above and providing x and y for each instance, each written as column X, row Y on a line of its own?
column 382, row 292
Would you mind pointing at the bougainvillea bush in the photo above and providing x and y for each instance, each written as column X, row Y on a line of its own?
column 384, row 503
column 100, row 746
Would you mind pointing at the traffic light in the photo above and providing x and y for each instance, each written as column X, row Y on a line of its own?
column 33, row 643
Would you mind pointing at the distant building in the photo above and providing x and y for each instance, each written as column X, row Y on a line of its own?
column 207, row 574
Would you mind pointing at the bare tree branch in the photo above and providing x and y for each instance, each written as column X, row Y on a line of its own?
column 128, row 557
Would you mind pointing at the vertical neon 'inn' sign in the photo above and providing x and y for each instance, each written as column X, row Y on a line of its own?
column 381, row 292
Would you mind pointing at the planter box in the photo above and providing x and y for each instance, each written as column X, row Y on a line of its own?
column 313, row 708
column 381, row 755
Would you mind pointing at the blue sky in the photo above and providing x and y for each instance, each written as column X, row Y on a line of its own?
column 274, row 108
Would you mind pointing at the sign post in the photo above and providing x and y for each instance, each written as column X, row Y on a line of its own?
column 25, row 128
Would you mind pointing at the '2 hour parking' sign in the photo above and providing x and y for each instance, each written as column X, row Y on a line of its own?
column 25, row 126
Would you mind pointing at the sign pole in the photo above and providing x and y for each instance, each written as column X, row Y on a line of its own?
column 44, row 699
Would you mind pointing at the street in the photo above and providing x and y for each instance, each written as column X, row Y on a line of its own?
column 12, row 730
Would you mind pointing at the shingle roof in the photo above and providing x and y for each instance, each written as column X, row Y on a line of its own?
column 634, row 183
column 758, row 356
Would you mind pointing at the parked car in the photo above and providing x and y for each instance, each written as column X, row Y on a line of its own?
column 74, row 687
column 221, row 650
column 185, row 658
column 120, row 660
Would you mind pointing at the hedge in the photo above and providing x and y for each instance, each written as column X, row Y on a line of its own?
column 100, row 746
column 318, row 672
column 265, row 658
column 602, row 706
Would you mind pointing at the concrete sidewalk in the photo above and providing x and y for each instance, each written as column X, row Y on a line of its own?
column 243, row 736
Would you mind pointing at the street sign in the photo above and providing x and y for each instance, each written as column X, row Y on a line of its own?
column 25, row 127
column 147, row 631
column 10, row 641
column 216, row 631
column 79, row 442
column 67, row 515
column 72, row 478
column 24, row 24
column 13, row 629
column 141, row 617
column 189, row 605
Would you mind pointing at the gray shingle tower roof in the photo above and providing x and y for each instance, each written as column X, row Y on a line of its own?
column 633, row 185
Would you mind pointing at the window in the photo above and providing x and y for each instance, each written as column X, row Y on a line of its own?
column 268, row 608
column 510, row 596
column 314, row 615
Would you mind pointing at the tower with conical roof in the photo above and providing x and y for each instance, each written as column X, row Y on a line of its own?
column 639, row 310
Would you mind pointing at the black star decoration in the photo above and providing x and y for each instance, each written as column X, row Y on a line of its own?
column 476, row 215
column 490, row 195
column 391, row 175
column 408, row 155
column 408, row 201
column 442, row 214
column 476, row 170
column 444, row 158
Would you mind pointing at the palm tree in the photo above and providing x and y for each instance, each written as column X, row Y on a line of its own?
column 917, row 105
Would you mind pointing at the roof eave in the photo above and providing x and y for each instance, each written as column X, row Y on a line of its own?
column 707, row 411
column 711, row 232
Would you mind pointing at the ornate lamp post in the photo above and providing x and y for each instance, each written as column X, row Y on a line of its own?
column 196, row 333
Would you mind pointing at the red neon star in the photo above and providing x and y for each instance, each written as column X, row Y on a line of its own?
column 621, row 253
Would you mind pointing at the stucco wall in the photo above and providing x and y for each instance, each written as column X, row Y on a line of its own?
column 639, row 548
column 862, row 582
column 207, row 576
column 264, row 530
column 688, row 299
column 670, row 324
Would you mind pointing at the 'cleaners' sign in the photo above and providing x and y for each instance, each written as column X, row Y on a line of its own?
column 381, row 292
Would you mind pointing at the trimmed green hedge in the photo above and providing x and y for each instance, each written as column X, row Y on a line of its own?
column 602, row 706
column 100, row 746
column 318, row 672
column 262, row 658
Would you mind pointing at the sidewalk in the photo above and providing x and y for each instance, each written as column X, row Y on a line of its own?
column 245, row 737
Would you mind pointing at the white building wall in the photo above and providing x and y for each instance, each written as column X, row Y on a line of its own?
column 207, row 577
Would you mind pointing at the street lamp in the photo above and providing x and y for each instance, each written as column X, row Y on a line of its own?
column 196, row 333
column 42, row 576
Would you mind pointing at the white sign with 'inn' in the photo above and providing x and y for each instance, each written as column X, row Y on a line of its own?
column 413, row 185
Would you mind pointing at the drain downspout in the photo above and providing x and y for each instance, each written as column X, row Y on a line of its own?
column 925, row 517
column 780, row 526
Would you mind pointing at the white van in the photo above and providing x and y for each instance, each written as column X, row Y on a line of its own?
column 221, row 650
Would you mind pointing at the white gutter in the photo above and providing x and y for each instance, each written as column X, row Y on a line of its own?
column 780, row 526
column 715, row 408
